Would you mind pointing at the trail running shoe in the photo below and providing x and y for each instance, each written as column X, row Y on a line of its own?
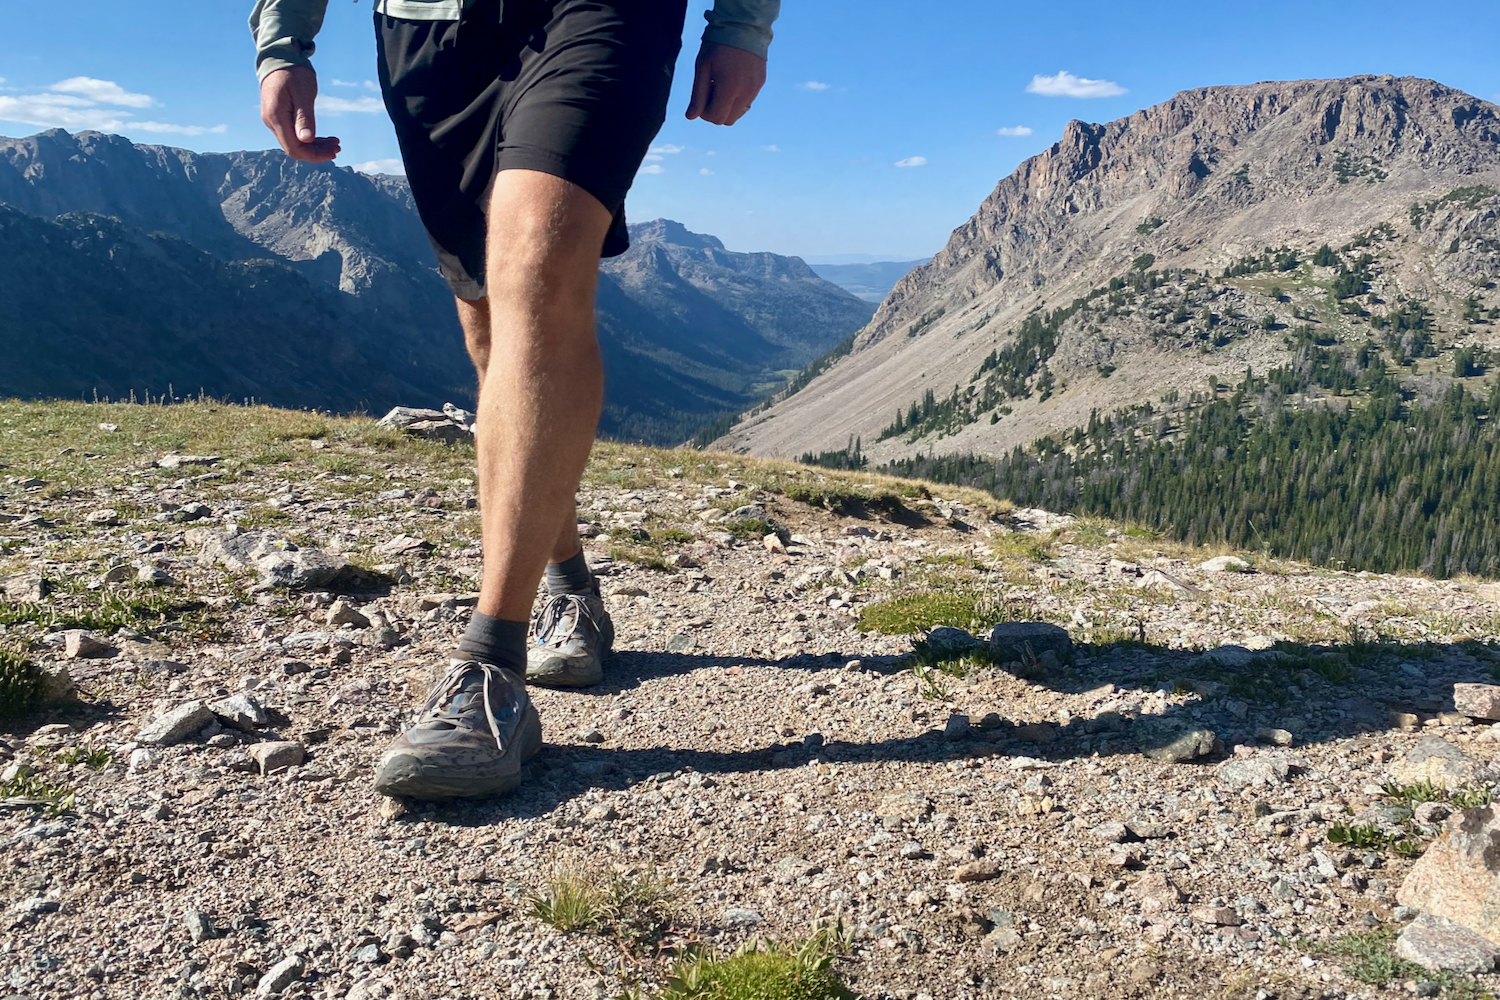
column 470, row 738
column 573, row 635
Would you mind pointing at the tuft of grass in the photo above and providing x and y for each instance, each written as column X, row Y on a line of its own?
column 96, row 758
column 910, row 614
column 1412, row 795
column 633, row 908
column 645, row 556
column 33, row 790
column 1368, row 836
column 749, row 529
column 672, row 535
column 108, row 610
column 1369, row 956
column 20, row 683
column 1024, row 545
column 760, row 971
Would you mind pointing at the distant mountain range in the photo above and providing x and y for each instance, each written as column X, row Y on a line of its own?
column 871, row 281
column 135, row 268
column 1327, row 234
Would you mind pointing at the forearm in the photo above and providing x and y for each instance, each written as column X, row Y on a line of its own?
column 743, row 24
column 284, row 32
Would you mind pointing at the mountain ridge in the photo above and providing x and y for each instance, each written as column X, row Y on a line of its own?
column 1194, row 184
column 349, row 248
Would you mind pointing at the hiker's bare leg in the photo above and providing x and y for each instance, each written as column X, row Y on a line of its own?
column 542, row 385
column 474, row 317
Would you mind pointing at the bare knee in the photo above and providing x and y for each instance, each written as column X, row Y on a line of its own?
column 474, row 318
column 545, row 235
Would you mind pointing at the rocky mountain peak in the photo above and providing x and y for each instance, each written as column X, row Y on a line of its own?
column 1192, row 184
column 675, row 233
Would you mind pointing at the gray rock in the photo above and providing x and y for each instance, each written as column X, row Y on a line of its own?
column 200, row 926
column 404, row 546
column 80, row 645
column 24, row 588
column 1230, row 656
column 1276, row 737
column 1438, row 943
column 57, row 684
column 1023, row 640
column 946, row 641
column 956, row 728
column 277, row 756
column 369, row 954
column 1111, row 832
column 343, row 612
column 36, row 906
column 281, row 975
column 151, row 576
column 176, row 725
column 175, row 461
column 1478, row 701
column 1225, row 564
column 1188, row 746
column 301, row 569
column 739, row 916
column 1436, row 760
column 1001, row 939
column 1257, row 772
column 241, row 711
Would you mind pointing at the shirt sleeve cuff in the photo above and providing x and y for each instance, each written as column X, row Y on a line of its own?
column 283, row 53
column 751, row 37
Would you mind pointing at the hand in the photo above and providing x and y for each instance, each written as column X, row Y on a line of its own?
column 286, row 106
column 725, row 82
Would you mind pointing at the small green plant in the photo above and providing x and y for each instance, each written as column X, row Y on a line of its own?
column 1368, row 836
column 632, row 907
column 750, row 528
column 33, row 790
column 760, row 971
column 20, row 683
column 96, row 758
column 911, row 614
column 1412, row 795
column 1149, row 226
column 672, row 535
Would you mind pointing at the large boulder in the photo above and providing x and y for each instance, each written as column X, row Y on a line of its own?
column 1017, row 640
column 1444, row 764
column 450, row 424
column 1458, row 878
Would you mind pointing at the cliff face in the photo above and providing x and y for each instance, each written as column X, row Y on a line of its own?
column 1194, row 184
column 250, row 274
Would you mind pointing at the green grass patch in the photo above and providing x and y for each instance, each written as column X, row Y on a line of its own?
column 20, row 683
column 633, row 908
column 749, row 529
column 910, row 614
column 1370, row 957
column 1412, row 795
column 1024, row 545
column 50, row 797
column 762, row 970
column 95, row 758
column 107, row 610
column 672, row 535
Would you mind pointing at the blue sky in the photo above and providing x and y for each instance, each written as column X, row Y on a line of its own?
column 856, row 88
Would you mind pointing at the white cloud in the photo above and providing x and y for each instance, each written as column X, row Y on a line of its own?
column 102, row 92
column 1018, row 130
column 177, row 129
column 653, row 168
column 705, row 172
column 651, row 158
column 912, row 161
column 668, row 148
column 75, row 104
column 381, row 167
column 357, row 105
column 773, row 148
column 367, row 84
column 813, row 85
column 1065, row 84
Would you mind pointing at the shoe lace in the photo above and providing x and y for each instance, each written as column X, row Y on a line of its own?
column 440, row 707
column 556, row 611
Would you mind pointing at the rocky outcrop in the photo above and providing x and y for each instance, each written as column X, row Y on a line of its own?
column 1197, row 182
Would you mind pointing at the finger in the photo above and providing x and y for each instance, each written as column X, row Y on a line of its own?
column 306, row 130
column 725, row 106
column 702, row 90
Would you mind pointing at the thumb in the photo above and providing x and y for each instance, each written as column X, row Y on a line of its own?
column 306, row 127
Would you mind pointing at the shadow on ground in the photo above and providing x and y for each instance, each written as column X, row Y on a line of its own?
column 1319, row 693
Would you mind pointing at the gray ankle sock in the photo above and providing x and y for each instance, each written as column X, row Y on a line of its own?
column 570, row 577
column 494, row 640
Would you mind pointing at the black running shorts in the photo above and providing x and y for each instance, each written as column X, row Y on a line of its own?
column 573, row 88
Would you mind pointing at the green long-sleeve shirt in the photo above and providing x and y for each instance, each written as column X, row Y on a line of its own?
column 284, row 29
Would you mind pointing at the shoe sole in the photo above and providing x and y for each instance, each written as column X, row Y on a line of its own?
column 406, row 775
